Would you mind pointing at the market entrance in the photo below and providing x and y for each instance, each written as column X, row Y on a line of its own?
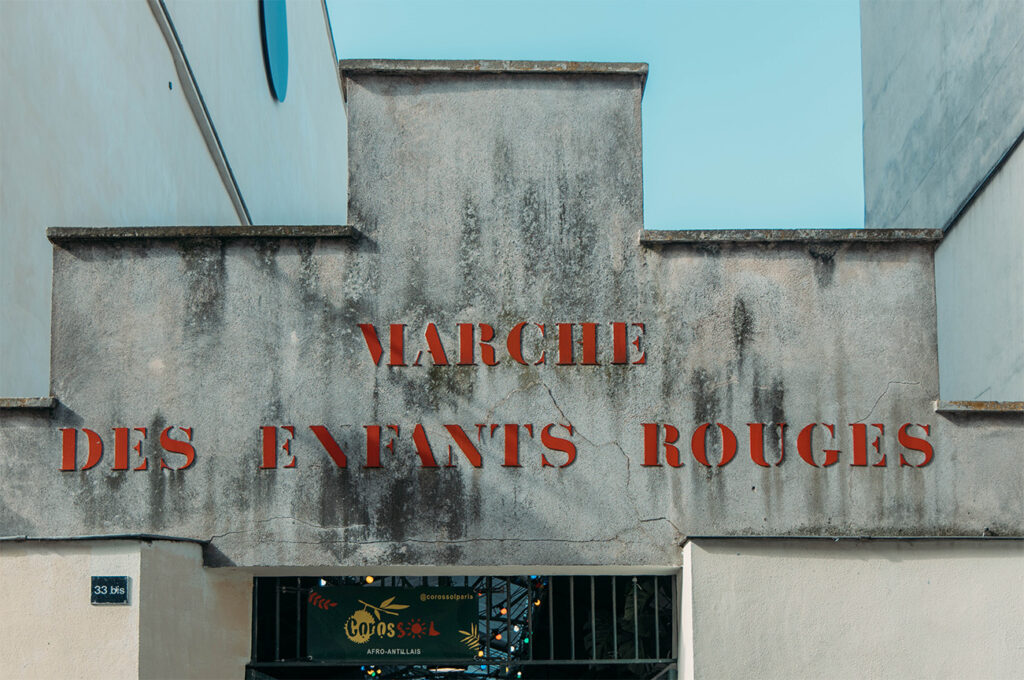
column 529, row 626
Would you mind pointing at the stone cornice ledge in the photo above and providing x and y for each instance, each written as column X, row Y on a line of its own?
column 426, row 67
column 68, row 234
column 980, row 407
column 765, row 236
column 27, row 403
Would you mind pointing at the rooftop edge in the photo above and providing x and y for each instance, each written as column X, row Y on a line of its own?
column 27, row 402
column 67, row 234
column 406, row 67
column 980, row 407
column 712, row 236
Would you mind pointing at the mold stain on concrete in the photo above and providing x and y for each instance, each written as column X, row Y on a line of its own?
column 205, row 277
column 469, row 241
column 824, row 262
column 266, row 254
column 428, row 501
column 742, row 328
column 705, row 399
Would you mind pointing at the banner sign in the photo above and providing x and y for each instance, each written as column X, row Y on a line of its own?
column 355, row 623
column 517, row 444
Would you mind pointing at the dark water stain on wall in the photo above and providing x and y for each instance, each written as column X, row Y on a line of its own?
column 470, row 242
column 205, row 278
column 340, row 502
column 427, row 501
column 705, row 399
column 308, row 278
column 824, row 262
column 742, row 328
column 768, row 405
column 534, row 228
column 266, row 254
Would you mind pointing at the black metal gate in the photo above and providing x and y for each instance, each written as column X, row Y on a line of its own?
column 530, row 627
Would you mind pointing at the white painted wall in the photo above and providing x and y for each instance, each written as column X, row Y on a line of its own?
column 183, row 620
column 789, row 608
column 95, row 131
column 942, row 87
column 289, row 158
column 979, row 291
column 49, row 629
column 194, row 622
column 91, row 135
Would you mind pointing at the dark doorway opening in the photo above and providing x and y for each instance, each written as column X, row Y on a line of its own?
column 525, row 627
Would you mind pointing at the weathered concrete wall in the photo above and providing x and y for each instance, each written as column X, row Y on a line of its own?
column 497, row 198
column 48, row 621
column 195, row 622
column 979, row 289
column 852, row 609
column 942, row 86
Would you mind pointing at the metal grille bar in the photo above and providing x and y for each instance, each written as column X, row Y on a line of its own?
column 511, row 614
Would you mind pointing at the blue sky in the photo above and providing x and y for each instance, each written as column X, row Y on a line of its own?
column 752, row 112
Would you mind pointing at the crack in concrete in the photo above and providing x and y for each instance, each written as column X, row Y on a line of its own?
column 596, row 445
column 887, row 386
column 490, row 412
column 272, row 519
column 434, row 541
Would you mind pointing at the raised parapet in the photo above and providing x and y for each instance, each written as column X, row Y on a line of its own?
column 494, row 364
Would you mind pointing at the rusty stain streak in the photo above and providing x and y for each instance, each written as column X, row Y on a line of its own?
column 28, row 403
column 979, row 406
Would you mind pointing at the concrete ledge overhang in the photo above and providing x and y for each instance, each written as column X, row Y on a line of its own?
column 980, row 407
column 27, row 403
column 775, row 538
column 764, row 236
column 68, row 234
column 100, row 537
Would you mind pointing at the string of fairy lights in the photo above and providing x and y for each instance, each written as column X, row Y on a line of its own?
column 505, row 632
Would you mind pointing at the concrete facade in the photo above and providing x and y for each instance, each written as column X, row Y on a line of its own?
column 499, row 198
column 492, row 367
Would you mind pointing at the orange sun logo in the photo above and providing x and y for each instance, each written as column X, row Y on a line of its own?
column 416, row 628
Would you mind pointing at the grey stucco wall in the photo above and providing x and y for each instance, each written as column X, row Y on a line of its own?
column 942, row 86
column 496, row 198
